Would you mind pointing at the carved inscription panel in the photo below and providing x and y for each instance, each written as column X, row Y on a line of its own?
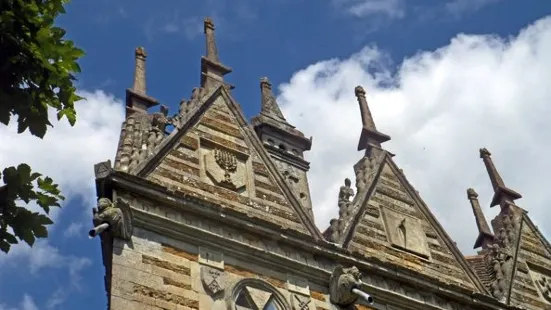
column 406, row 232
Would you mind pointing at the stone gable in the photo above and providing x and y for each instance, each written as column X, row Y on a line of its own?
column 215, row 158
column 531, row 286
column 397, row 227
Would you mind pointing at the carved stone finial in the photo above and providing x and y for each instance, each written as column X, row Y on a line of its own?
column 341, row 283
column 472, row 194
column 485, row 235
column 139, row 85
column 118, row 215
column 370, row 136
column 212, row 70
column 501, row 192
column 212, row 50
column 270, row 107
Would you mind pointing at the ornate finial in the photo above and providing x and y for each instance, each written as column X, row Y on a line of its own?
column 370, row 136
column 212, row 71
column 485, row 236
column 501, row 192
column 270, row 107
column 212, row 50
column 139, row 71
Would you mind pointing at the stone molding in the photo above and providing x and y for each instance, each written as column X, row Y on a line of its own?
column 314, row 262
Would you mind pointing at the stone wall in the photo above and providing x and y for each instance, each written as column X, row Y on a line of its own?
column 156, row 272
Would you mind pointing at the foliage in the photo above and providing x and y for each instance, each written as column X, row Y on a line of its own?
column 27, row 225
column 37, row 72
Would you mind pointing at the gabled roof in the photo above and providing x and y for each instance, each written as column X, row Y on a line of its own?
column 393, row 201
column 242, row 131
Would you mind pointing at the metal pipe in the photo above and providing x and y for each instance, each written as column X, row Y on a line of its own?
column 97, row 230
column 363, row 295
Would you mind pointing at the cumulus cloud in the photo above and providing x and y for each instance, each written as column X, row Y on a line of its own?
column 67, row 154
column 439, row 107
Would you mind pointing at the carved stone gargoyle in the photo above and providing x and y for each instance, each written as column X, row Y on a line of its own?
column 341, row 283
column 118, row 215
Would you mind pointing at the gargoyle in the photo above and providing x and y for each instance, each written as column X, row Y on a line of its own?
column 118, row 215
column 341, row 283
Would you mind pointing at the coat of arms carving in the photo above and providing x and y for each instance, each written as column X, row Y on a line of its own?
column 214, row 280
column 224, row 169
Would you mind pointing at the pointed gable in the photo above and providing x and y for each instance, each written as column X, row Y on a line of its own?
column 531, row 285
column 394, row 225
column 217, row 156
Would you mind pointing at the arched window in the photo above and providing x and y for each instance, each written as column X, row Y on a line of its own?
column 254, row 294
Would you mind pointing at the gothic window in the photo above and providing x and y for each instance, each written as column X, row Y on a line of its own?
column 252, row 294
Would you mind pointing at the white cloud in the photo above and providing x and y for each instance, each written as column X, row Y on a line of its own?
column 67, row 154
column 26, row 304
column 441, row 107
column 74, row 229
column 362, row 8
column 459, row 7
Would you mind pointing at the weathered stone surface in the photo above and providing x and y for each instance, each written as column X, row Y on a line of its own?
column 239, row 176
column 531, row 288
column 403, row 235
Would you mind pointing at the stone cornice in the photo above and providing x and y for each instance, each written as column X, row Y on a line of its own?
column 329, row 253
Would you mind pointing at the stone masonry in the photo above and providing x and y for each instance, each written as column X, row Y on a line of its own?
column 204, row 209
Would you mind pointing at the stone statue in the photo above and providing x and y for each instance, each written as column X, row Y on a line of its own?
column 118, row 215
column 341, row 283
column 345, row 193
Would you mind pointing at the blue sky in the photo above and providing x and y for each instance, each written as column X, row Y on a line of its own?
column 282, row 39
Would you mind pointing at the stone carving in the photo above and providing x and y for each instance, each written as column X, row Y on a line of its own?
column 406, row 232
column 543, row 284
column 223, row 168
column 345, row 193
column 214, row 280
column 337, row 226
column 341, row 283
column 300, row 302
column 141, row 133
column 103, row 169
column 500, row 255
column 118, row 215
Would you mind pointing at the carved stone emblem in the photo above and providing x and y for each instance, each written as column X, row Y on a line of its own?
column 406, row 232
column 301, row 302
column 118, row 215
column 544, row 286
column 214, row 280
column 222, row 167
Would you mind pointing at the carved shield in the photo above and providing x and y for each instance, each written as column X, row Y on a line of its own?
column 301, row 302
column 214, row 280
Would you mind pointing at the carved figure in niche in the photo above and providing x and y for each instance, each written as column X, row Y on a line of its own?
column 345, row 193
column 118, row 215
column 341, row 283
column 544, row 285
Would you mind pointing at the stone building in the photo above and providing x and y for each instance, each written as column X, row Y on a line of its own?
column 206, row 210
